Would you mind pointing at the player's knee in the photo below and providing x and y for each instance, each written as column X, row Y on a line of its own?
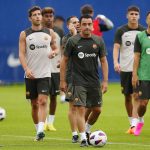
column 42, row 101
column 97, row 111
column 135, row 96
column 73, row 109
column 143, row 103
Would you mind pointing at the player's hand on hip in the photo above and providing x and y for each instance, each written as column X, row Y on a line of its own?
column 104, row 86
column 29, row 74
column 117, row 67
column 63, row 86
column 135, row 81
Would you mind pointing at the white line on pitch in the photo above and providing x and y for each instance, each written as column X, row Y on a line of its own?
column 63, row 139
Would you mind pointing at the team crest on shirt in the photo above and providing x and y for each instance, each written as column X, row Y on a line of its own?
column 76, row 99
column 45, row 38
column 69, row 93
column 140, row 93
column 94, row 46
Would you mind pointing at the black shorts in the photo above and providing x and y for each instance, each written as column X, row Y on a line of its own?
column 55, row 81
column 34, row 87
column 144, row 90
column 126, row 83
column 87, row 96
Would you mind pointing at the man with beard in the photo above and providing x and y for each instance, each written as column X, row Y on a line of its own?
column 36, row 46
column 84, row 49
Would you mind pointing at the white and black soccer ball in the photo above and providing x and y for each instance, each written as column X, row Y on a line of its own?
column 98, row 138
column 2, row 114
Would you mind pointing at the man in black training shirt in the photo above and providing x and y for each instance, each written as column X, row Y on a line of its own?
column 84, row 50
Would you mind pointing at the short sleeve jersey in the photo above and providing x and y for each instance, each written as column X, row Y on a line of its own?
column 142, row 46
column 126, row 38
column 84, row 53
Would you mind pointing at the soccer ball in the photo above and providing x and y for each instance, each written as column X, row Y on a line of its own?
column 2, row 113
column 98, row 138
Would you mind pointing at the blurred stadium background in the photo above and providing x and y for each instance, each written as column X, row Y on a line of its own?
column 14, row 19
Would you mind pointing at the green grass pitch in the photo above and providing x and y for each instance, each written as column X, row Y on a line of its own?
column 17, row 130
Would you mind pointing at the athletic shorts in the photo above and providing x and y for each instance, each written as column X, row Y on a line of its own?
column 87, row 96
column 34, row 87
column 55, row 82
column 126, row 83
column 144, row 90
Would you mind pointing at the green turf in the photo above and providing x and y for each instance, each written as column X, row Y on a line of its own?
column 17, row 130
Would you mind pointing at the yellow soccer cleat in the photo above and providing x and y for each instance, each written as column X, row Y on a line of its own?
column 51, row 127
column 45, row 127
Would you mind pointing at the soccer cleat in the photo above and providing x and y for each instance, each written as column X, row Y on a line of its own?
column 138, row 128
column 39, row 136
column 50, row 127
column 83, row 143
column 45, row 127
column 75, row 139
column 131, row 130
column 88, row 138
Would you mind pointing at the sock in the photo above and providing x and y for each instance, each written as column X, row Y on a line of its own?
column 36, row 127
column 134, row 122
column 88, row 128
column 40, row 127
column 141, row 119
column 74, row 133
column 62, row 98
column 46, row 120
column 83, row 136
column 51, row 119
column 130, row 120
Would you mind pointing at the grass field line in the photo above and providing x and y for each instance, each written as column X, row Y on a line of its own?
column 63, row 139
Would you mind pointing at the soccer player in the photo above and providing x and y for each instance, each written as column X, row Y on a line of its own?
column 34, row 53
column 48, row 22
column 101, row 23
column 84, row 50
column 59, row 22
column 74, row 28
column 141, row 72
column 124, row 42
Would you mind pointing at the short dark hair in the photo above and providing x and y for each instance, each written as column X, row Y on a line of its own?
column 86, row 9
column 46, row 10
column 133, row 8
column 86, row 17
column 59, row 18
column 31, row 10
column 147, row 14
column 69, row 18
